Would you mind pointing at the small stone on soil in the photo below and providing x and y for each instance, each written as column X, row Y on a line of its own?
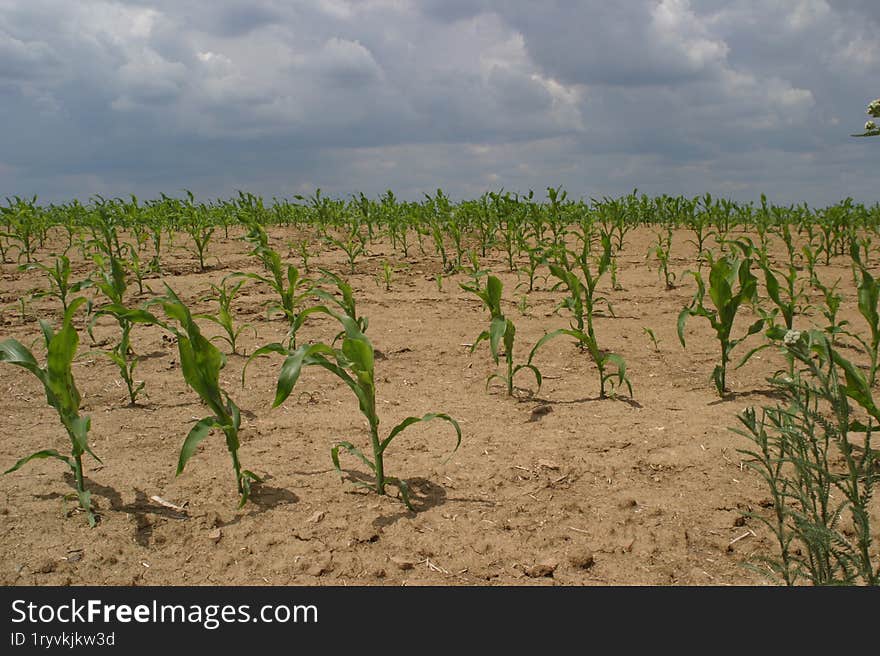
column 582, row 559
column 45, row 567
column 402, row 563
column 542, row 569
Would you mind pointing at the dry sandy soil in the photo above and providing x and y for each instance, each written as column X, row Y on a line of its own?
column 648, row 490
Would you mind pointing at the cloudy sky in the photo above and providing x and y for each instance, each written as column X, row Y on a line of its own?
column 278, row 98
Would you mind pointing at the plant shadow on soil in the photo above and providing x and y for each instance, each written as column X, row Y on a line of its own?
column 138, row 509
column 733, row 396
column 590, row 399
column 423, row 495
column 264, row 497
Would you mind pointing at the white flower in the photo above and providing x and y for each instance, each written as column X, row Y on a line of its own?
column 791, row 337
column 870, row 125
column 874, row 108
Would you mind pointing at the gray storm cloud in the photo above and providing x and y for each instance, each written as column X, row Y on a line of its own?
column 735, row 98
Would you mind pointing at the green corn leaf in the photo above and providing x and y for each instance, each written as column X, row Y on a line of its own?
column 131, row 315
column 869, row 294
column 14, row 352
column 497, row 329
column 620, row 363
column 263, row 350
column 79, row 430
column 360, row 355
column 85, row 502
column 682, row 320
column 305, row 355
column 353, row 450
column 541, row 342
column 717, row 374
column 531, row 368
column 772, row 286
column 857, row 387
column 47, row 330
column 482, row 336
column 721, row 279
column 493, row 295
column 39, row 455
column 748, row 356
column 59, row 380
column 196, row 434
column 409, row 421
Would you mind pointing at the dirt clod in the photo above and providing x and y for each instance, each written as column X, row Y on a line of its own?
column 542, row 569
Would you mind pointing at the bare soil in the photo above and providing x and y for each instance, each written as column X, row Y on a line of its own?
column 555, row 486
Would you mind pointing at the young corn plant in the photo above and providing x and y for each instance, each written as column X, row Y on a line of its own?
column 200, row 363
column 353, row 244
column 291, row 289
column 582, row 303
column 868, row 297
column 224, row 294
column 475, row 271
column 198, row 226
column 60, row 286
column 583, row 299
column 22, row 219
column 832, row 301
column 62, row 394
column 731, row 283
column 113, row 284
column 537, row 258
column 501, row 331
column 345, row 301
column 661, row 251
column 138, row 268
column 387, row 275
column 353, row 364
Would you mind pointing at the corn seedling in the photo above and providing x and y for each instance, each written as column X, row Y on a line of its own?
column 868, row 297
column 537, row 257
column 23, row 314
column 353, row 364
column 200, row 363
column 387, row 275
column 731, row 283
column 652, row 337
column 475, row 272
column 353, row 244
column 224, row 294
column 302, row 248
column 789, row 297
column 62, row 394
column 291, row 289
column 113, row 284
column 198, row 226
column 832, row 300
column 58, row 275
column 501, row 331
column 138, row 268
column 345, row 300
column 582, row 300
column 661, row 251
column 22, row 220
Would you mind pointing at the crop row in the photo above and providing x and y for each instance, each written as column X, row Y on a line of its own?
column 571, row 245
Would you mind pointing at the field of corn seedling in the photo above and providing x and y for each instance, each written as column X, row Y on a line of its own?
column 514, row 389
